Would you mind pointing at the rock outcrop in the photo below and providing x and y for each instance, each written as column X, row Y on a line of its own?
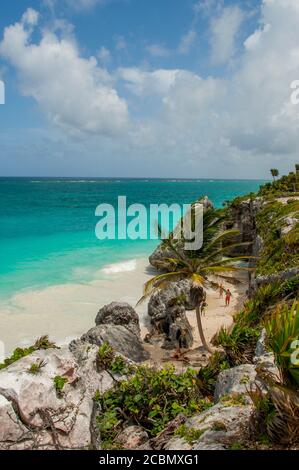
column 118, row 313
column 167, row 309
column 218, row 428
column 119, row 337
column 34, row 414
column 158, row 258
column 46, row 398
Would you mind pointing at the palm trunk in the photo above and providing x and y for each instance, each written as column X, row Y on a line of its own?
column 200, row 330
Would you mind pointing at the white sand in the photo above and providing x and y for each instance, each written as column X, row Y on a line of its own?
column 67, row 311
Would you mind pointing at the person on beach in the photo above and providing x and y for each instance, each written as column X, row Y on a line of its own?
column 221, row 291
column 228, row 297
column 203, row 308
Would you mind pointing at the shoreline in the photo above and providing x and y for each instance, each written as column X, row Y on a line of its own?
column 67, row 311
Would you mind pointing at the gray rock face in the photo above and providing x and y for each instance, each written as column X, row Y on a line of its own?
column 263, row 358
column 243, row 218
column 34, row 416
column 119, row 337
column 132, row 437
column 221, row 426
column 273, row 278
column 168, row 317
column 235, row 381
column 160, row 300
column 118, row 313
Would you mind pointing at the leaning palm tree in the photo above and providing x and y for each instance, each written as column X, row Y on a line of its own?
column 197, row 265
column 274, row 173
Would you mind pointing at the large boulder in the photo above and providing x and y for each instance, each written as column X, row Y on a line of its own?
column 34, row 414
column 218, row 428
column 175, row 292
column 118, row 313
column 119, row 337
column 167, row 309
column 235, row 382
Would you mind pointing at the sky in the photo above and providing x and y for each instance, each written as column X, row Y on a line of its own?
column 149, row 88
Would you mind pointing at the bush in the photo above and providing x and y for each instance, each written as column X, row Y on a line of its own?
column 151, row 398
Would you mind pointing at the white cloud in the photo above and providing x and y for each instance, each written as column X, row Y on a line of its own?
column 158, row 50
column 144, row 83
column 72, row 91
column 104, row 55
column 224, row 30
column 185, row 125
column 187, row 41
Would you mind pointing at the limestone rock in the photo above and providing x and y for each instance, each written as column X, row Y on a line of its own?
column 34, row 415
column 235, row 381
column 118, row 313
column 132, row 437
column 219, row 427
column 160, row 300
column 119, row 337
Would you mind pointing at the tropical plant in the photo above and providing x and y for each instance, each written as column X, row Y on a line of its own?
column 274, row 173
column 283, row 339
column 197, row 265
column 150, row 398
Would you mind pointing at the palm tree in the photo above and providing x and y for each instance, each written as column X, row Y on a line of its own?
column 274, row 173
column 196, row 266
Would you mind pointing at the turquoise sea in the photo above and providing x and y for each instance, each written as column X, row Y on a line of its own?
column 47, row 225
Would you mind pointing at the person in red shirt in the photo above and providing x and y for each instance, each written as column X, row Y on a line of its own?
column 228, row 297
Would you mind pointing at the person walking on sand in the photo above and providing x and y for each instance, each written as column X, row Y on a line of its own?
column 228, row 297
column 221, row 291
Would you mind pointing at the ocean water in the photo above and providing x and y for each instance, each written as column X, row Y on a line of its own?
column 47, row 226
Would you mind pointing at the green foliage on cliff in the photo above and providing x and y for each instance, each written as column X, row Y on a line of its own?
column 150, row 398
column 19, row 353
column 276, row 224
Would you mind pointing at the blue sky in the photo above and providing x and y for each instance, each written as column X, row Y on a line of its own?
column 155, row 88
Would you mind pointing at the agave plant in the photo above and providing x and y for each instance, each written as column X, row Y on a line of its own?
column 197, row 266
column 283, row 338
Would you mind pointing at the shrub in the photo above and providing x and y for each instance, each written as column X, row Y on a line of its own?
column 151, row 398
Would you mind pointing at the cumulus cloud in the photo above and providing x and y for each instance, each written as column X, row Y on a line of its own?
column 224, row 30
column 74, row 92
column 186, row 124
column 144, row 83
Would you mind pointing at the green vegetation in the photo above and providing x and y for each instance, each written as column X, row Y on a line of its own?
column 190, row 435
column 19, row 353
column 151, row 398
column 277, row 412
column 280, row 249
column 207, row 375
column 234, row 400
column 274, row 173
column 36, row 367
column 285, row 186
column 283, row 339
column 59, row 383
column 108, row 360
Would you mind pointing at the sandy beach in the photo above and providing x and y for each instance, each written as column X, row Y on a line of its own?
column 216, row 315
column 65, row 312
